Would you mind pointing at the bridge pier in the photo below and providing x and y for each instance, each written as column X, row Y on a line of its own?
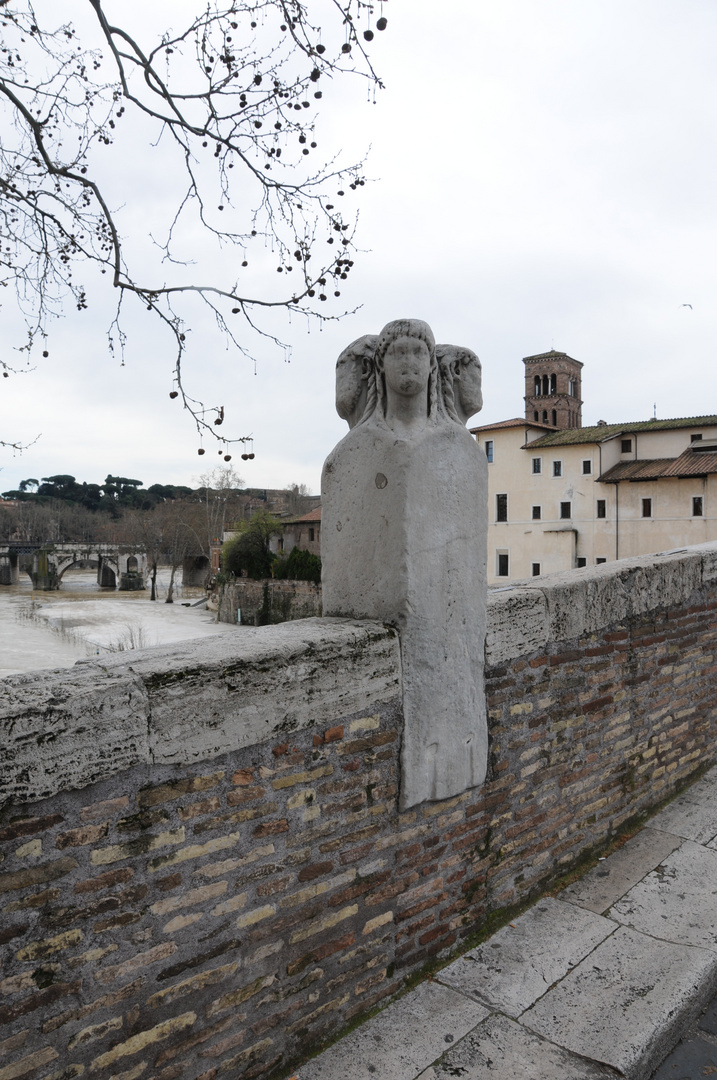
column 9, row 570
column 44, row 574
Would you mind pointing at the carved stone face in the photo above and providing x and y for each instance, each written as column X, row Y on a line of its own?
column 469, row 397
column 407, row 366
column 349, row 384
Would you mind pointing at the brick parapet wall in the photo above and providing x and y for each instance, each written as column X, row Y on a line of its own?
column 218, row 917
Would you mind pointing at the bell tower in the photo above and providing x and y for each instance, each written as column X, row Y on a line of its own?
column 553, row 388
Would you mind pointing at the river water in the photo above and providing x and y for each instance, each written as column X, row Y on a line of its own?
column 54, row 629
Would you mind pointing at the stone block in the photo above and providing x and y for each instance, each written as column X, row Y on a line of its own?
column 518, row 964
column 500, row 1049
column 612, row 877
column 517, row 624
column 676, row 901
column 628, row 1002
column 402, row 1040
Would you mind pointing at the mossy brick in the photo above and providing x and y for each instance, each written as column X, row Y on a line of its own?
column 201, row 895
column 199, row 958
column 87, row 834
column 145, row 819
column 105, row 881
column 140, row 846
column 236, row 818
column 190, row 986
column 197, row 809
column 226, row 866
column 95, row 1032
column 107, row 1001
column 35, row 900
column 175, row 789
column 137, row 962
column 239, row 996
column 196, row 851
column 271, row 828
column 28, row 1064
column 41, row 1000
column 38, row 950
column 29, row 826
column 143, row 1039
column 36, row 875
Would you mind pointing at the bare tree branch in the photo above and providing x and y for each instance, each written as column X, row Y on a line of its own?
column 238, row 88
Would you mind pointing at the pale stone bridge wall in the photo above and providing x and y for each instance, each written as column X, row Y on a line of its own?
column 205, row 867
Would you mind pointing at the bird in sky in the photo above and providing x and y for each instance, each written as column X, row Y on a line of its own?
column 687, row 305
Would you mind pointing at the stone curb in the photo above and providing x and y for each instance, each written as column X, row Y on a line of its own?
column 600, row 982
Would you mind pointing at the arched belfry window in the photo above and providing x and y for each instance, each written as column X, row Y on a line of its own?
column 545, row 416
column 555, row 418
column 546, row 385
column 537, row 385
column 553, row 384
column 535, row 416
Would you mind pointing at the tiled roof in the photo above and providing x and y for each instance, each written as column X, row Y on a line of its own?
column 603, row 432
column 690, row 463
column 517, row 422
column 553, row 354
column 313, row 515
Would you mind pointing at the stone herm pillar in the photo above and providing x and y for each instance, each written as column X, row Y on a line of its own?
column 404, row 523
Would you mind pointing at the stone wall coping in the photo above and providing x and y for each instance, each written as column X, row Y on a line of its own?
column 194, row 701
column 189, row 702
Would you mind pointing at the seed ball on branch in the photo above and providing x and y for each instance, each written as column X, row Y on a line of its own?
column 382, row 23
column 173, row 394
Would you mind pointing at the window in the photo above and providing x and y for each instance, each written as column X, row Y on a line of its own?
column 501, row 508
column 536, row 569
column 626, row 446
column 536, row 513
column 587, row 468
column 557, row 468
column 502, row 563
column 573, row 388
column 600, row 511
column 697, row 506
column 647, row 507
column 598, row 561
column 311, row 535
column 281, row 543
column 555, row 418
column 535, row 416
column 489, row 449
column 537, row 465
column 553, row 384
column 565, row 510
column 696, row 438
column 536, row 386
column 545, row 416
column 581, row 562
column 546, row 385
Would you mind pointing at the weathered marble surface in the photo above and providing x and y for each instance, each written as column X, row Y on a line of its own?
column 404, row 499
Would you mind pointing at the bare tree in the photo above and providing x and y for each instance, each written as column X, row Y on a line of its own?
column 238, row 88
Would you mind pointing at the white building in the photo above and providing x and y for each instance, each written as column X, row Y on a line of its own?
column 574, row 497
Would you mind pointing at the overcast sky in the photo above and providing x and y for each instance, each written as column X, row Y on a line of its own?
column 545, row 177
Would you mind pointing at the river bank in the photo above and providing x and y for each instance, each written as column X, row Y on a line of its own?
column 55, row 629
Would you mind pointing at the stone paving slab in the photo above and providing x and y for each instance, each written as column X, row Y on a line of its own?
column 628, row 1002
column 691, row 819
column 401, row 1041
column 520, row 962
column 500, row 1049
column 609, row 880
column 705, row 790
column 678, row 901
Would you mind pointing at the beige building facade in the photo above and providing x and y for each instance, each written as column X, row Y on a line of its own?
column 562, row 499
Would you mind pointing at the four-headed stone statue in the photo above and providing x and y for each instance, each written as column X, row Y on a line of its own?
column 404, row 499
